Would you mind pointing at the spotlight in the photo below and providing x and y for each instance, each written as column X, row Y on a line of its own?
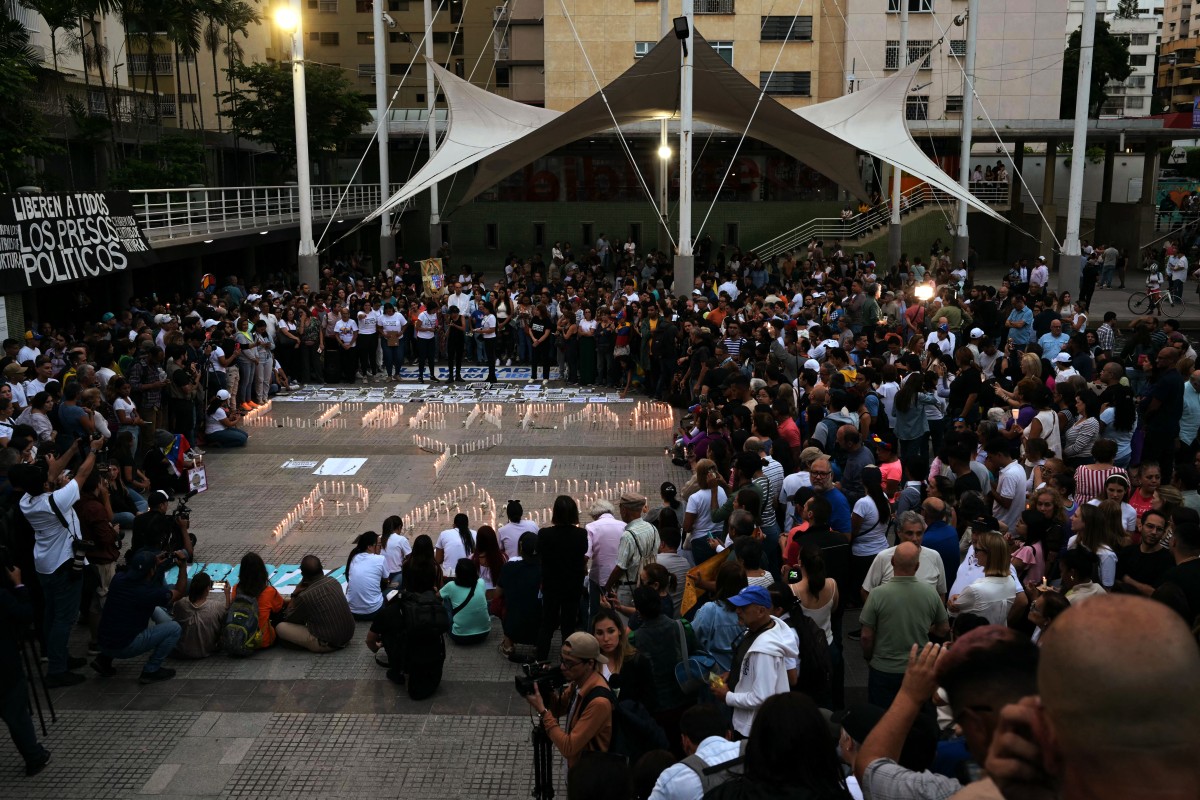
column 682, row 32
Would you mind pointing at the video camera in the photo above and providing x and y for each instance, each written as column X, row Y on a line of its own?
column 543, row 675
column 181, row 507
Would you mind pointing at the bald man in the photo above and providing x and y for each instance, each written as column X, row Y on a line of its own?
column 1161, row 409
column 897, row 615
column 1105, row 726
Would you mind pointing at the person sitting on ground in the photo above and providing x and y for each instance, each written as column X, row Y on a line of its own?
column 220, row 424
column 366, row 577
column 410, row 628
column 318, row 615
column 467, row 597
column 521, row 590
column 253, row 582
column 135, row 598
column 200, row 615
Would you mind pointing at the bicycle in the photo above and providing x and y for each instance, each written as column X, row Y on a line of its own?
column 1158, row 300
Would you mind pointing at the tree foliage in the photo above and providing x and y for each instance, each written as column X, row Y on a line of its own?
column 261, row 107
column 22, row 129
column 1127, row 9
column 173, row 161
column 1110, row 63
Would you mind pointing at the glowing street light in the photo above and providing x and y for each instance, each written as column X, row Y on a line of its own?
column 664, row 152
column 286, row 19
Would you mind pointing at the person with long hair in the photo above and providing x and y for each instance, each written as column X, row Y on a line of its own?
column 716, row 624
column 698, row 523
column 253, row 582
column 541, row 334
column 868, row 525
column 488, row 556
column 1090, row 530
column 1028, row 547
column 626, row 670
column 990, row 596
column 785, row 725
column 454, row 544
column 816, row 592
column 421, row 566
column 911, row 423
column 470, row 622
column 1083, row 433
column 1117, row 422
column 395, row 549
column 520, row 589
column 366, row 577
column 562, row 547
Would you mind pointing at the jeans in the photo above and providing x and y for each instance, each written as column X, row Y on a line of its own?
column 1106, row 275
column 263, row 372
column 62, row 592
column 917, row 449
column 479, row 352
column 702, row 549
column 138, row 501
column 158, row 640
column 247, row 369
column 228, row 437
column 524, row 347
column 426, row 356
column 368, row 348
column 489, row 349
column 393, row 358
column 123, row 519
column 606, row 372
column 882, row 687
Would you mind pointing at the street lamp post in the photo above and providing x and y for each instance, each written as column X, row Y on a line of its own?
column 387, row 243
column 289, row 20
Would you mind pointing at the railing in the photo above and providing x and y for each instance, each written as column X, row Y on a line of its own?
column 139, row 64
column 712, row 6
column 166, row 214
column 877, row 217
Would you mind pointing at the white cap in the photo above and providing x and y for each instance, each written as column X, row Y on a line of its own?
column 977, row 333
column 1041, row 258
column 211, row 323
column 1062, row 358
column 222, row 394
column 162, row 319
column 813, row 364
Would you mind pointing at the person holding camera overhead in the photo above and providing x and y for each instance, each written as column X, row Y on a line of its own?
column 586, row 700
column 56, row 533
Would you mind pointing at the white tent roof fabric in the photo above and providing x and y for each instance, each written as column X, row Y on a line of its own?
column 500, row 136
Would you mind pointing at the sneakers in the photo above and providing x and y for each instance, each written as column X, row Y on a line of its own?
column 508, row 363
column 36, row 764
column 246, row 407
column 160, row 674
column 381, row 658
column 104, row 666
column 61, row 679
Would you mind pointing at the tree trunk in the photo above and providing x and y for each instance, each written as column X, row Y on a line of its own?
column 237, row 141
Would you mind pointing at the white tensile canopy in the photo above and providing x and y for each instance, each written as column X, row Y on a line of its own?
column 500, row 136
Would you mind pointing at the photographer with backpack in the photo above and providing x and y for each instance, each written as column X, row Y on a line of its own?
column 410, row 629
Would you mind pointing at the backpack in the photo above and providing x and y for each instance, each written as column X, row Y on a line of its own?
column 425, row 615
column 240, row 637
column 816, row 671
column 713, row 775
column 881, row 424
column 634, row 731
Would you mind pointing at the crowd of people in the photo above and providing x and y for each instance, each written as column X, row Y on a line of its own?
column 1000, row 492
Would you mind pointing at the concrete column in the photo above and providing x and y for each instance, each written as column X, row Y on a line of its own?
column 1148, row 204
column 1016, row 199
column 1049, row 209
column 1110, row 154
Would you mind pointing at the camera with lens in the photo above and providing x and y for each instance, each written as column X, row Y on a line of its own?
column 79, row 548
column 181, row 507
column 547, row 677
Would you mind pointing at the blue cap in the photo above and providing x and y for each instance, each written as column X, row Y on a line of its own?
column 752, row 596
column 143, row 563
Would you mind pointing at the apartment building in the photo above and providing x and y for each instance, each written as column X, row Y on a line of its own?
column 1178, row 84
column 1018, row 56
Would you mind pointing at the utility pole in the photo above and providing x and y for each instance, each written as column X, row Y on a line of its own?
column 685, row 262
column 894, row 229
column 435, row 220
column 962, row 240
column 387, row 242
column 1069, row 265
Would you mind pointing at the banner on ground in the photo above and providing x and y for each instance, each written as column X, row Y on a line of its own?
column 50, row 239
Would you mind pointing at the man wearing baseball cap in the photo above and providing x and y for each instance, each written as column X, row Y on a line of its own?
column 586, row 700
column 764, row 663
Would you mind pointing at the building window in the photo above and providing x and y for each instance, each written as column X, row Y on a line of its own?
column 363, row 6
column 503, row 79
column 366, row 37
column 916, row 107
column 785, row 29
column 325, row 38
column 917, row 49
column 914, row 6
column 1139, row 60
column 1135, row 102
column 1140, row 39
column 456, row 11
column 789, row 84
column 187, row 98
column 635, row 232
column 396, row 37
column 954, row 103
column 166, row 106
column 587, row 231
column 641, row 48
column 958, row 47
column 1137, row 81
column 725, row 51
column 732, row 233
column 395, row 69
column 323, row 6
column 366, row 70
column 712, row 6
column 397, row 5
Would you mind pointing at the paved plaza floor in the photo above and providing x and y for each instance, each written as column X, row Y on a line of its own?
column 290, row 724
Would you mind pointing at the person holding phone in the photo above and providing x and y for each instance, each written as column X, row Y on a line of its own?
column 697, row 518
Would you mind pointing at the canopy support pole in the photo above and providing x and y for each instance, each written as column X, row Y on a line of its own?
column 962, row 240
column 894, row 229
column 1069, row 265
column 685, row 262
column 387, row 242
column 435, row 220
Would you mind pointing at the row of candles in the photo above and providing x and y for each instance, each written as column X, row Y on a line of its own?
column 382, row 416
column 656, row 417
column 595, row 414
column 328, row 414
column 357, row 500
column 428, row 418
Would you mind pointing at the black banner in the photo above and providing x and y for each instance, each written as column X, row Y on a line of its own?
column 51, row 239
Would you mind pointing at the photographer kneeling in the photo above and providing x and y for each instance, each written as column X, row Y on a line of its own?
column 134, row 599
column 587, row 701
column 160, row 532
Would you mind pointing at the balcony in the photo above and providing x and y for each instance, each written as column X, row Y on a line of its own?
column 139, row 64
column 712, row 7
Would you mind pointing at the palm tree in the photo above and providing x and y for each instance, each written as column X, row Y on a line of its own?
column 238, row 17
column 59, row 14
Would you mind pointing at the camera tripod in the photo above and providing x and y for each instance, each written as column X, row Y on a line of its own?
column 33, row 666
column 543, row 763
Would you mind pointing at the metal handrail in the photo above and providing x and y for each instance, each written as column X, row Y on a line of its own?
column 166, row 214
column 877, row 216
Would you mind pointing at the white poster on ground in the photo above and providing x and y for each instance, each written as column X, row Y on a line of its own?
column 340, row 466
column 528, row 467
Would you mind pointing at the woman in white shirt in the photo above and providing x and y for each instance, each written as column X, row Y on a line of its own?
column 454, row 543
column 396, row 548
column 1092, row 528
column 868, row 525
column 368, row 340
column 366, row 575
column 991, row 596
column 220, row 427
column 697, row 517
column 126, row 411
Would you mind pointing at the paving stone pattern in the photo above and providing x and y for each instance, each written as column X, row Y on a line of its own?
column 287, row 724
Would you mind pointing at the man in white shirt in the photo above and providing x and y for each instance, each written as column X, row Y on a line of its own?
column 1040, row 275
column 604, row 537
column 705, row 735
column 510, row 533
column 1008, row 495
column 29, row 351
column 930, row 569
column 427, row 322
column 1177, row 272
column 487, row 327
column 55, row 525
column 391, row 328
column 462, row 300
column 730, row 288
